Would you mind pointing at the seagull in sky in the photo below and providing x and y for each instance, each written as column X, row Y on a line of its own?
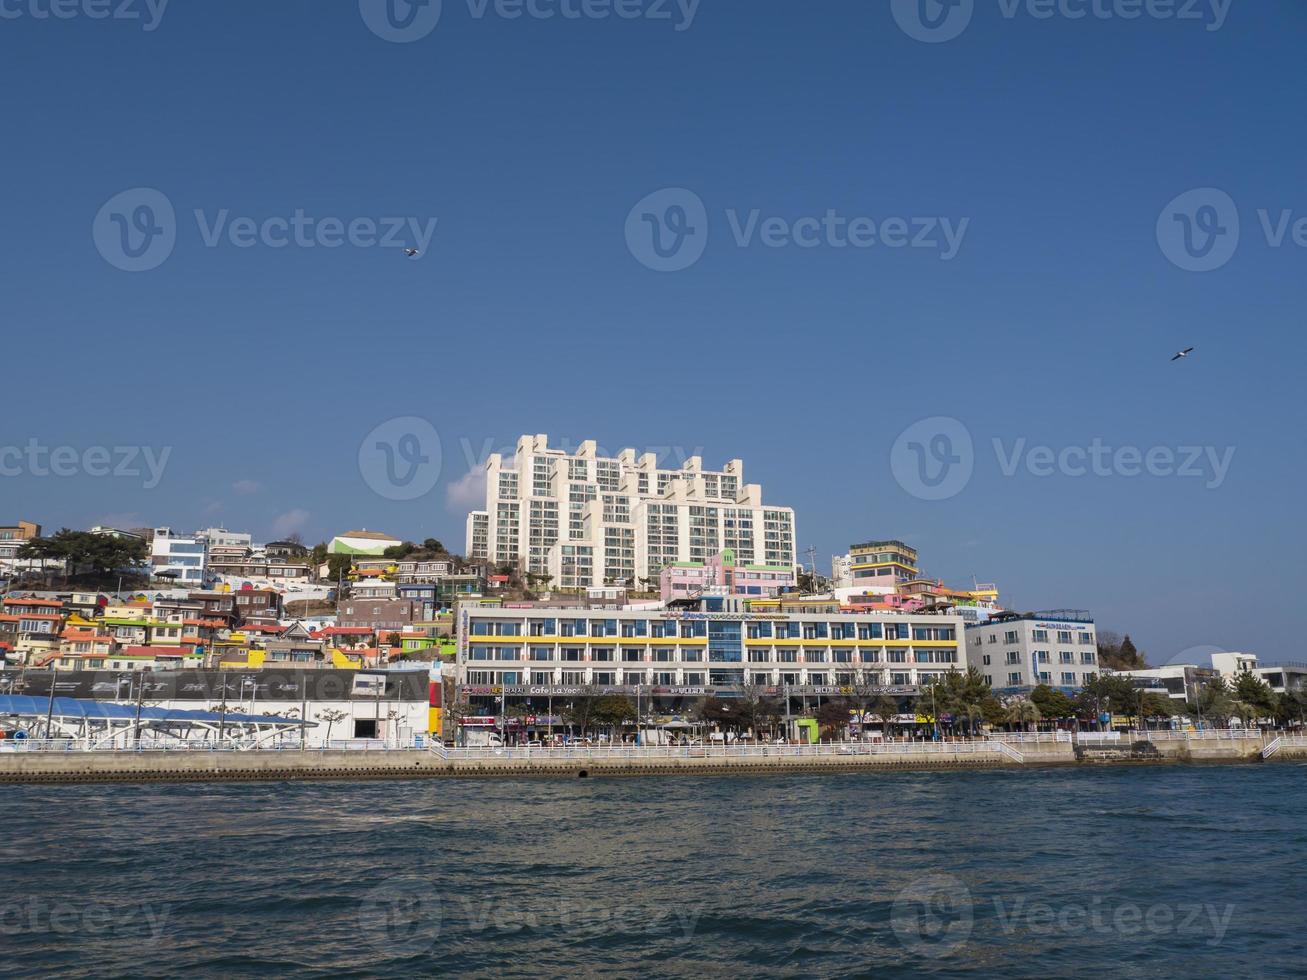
column 412, row 253
column 1183, row 354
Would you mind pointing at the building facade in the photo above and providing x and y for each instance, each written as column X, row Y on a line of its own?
column 875, row 567
column 681, row 580
column 220, row 537
column 714, row 645
column 183, row 558
column 1019, row 651
column 585, row 519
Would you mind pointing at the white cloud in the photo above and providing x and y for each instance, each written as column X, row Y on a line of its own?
column 289, row 522
column 468, row 493
column 245, row 487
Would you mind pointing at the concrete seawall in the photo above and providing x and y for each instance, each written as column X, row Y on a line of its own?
column 105, row 767
column 77, row 767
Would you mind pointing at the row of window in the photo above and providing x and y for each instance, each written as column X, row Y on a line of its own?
column 1066, row 678
column 722, row 654
column 692, row 628
column 689, row 678
column 1042, row 656
column 1038, row 636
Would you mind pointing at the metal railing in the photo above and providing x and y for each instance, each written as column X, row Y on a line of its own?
column 717, row 751
column 1007, row 745
column 1032, row 737
column 1224, row 734
column 202, row 745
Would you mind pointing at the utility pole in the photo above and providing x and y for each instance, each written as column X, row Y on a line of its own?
column 49, row 713
column 140, row 697
column 812, row 563
column 222, row 707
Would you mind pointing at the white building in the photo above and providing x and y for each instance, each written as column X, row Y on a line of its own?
column 344, row 704
column 220, row 537
column 183, row 558
column 586, row 519
column 696, row 647
column 1182, row 683
column 1232, row 665
column 1019, row 651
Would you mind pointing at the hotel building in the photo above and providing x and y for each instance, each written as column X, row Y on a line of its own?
column 711, row 645
column 1020, row 651
column 589, row 520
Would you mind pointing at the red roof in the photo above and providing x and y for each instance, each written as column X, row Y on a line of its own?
column 347, row 631
column 35, row 602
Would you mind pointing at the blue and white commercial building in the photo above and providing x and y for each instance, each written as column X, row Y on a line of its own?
column 1019, row 651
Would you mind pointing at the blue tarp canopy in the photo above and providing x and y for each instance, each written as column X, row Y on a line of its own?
column 27, row 705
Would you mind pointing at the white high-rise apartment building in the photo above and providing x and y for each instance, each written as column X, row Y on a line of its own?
column 588, row 520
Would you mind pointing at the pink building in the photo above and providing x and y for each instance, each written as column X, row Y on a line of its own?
column 682, row 579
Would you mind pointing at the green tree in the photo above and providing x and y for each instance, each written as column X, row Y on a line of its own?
column 1108, row 692
column 1252, row 690
column 1291, row 708
column 339, row 567
column 960, row 694
column 102, row 554
column 992, row 711
column 1024, row 713
column 1052, row 703
column 433, row 545
column 1215, row 701
column 614, row 711
column 1116, row 652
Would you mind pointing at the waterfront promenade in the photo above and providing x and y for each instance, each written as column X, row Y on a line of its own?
column 68, row 761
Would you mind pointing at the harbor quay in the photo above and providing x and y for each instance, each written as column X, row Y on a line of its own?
column 75, row 761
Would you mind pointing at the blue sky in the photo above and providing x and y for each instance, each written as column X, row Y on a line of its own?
column 1057, row 144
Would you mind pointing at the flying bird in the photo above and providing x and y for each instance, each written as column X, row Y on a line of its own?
column 1183, row 354
column 412, row 253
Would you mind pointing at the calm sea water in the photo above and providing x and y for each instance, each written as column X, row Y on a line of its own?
column 1122, row 872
